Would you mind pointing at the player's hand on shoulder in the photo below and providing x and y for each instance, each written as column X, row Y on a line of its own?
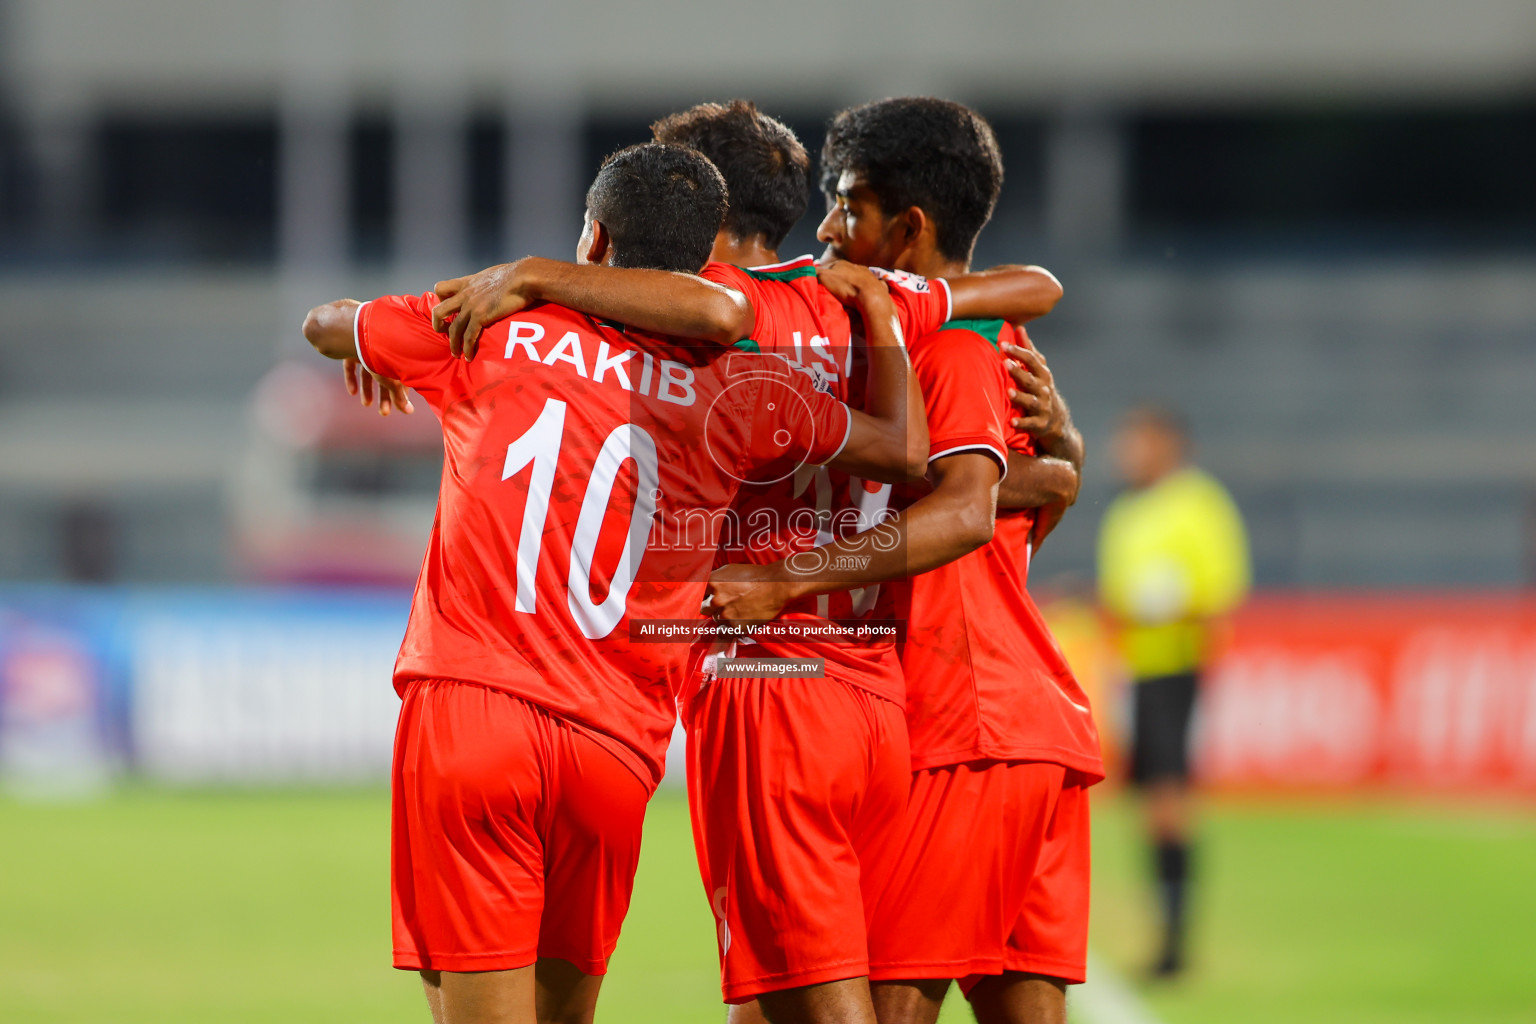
column 740, row 594
column 1034, row 393
column 850, row 283
column 468, row 305
column 362, row 382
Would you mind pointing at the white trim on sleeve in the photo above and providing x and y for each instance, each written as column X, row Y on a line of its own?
column 357, row 339
column 1001, row 457
column 847, row 433
column 949, row 300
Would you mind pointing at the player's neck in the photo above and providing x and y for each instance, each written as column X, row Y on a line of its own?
column 743, row 252
column 926, row 260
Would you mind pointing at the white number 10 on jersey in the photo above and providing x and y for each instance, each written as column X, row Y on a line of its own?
column 540, row 446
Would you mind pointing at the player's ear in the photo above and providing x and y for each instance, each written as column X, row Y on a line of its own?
column 597, row 242
column 910, row 225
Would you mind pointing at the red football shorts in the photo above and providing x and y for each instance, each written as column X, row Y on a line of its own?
column 796, row 789
column 515, row 834
column 992, row 877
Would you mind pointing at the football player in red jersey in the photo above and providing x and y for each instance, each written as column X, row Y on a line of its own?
column 796, row 786
column 991, row 884
column 534, row 716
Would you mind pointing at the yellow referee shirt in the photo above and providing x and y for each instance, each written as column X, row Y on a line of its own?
column 1171, row 557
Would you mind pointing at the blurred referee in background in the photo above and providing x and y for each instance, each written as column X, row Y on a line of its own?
column 1173, row 560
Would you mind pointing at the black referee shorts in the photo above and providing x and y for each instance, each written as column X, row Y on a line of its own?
column 1160, row 727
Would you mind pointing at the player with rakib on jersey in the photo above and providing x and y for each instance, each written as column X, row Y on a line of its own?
column 534, row 725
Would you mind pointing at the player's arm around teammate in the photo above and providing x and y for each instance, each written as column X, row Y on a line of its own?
column 678, row 305
column 686, row 306
column 1014, row 292
column 888, row 439
column 951, row 521
column 940, row 527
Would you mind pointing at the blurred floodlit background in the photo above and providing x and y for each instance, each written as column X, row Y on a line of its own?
column 1309, row 226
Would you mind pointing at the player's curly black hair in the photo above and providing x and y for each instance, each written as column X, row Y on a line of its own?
column 766, row 168
column 662, row 206
column 930, row 153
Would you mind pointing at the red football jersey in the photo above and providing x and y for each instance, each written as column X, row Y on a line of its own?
column 985, row 678
column 577, row 455
column 797, row 318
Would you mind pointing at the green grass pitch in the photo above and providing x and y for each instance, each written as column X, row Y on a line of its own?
column 238, row 908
